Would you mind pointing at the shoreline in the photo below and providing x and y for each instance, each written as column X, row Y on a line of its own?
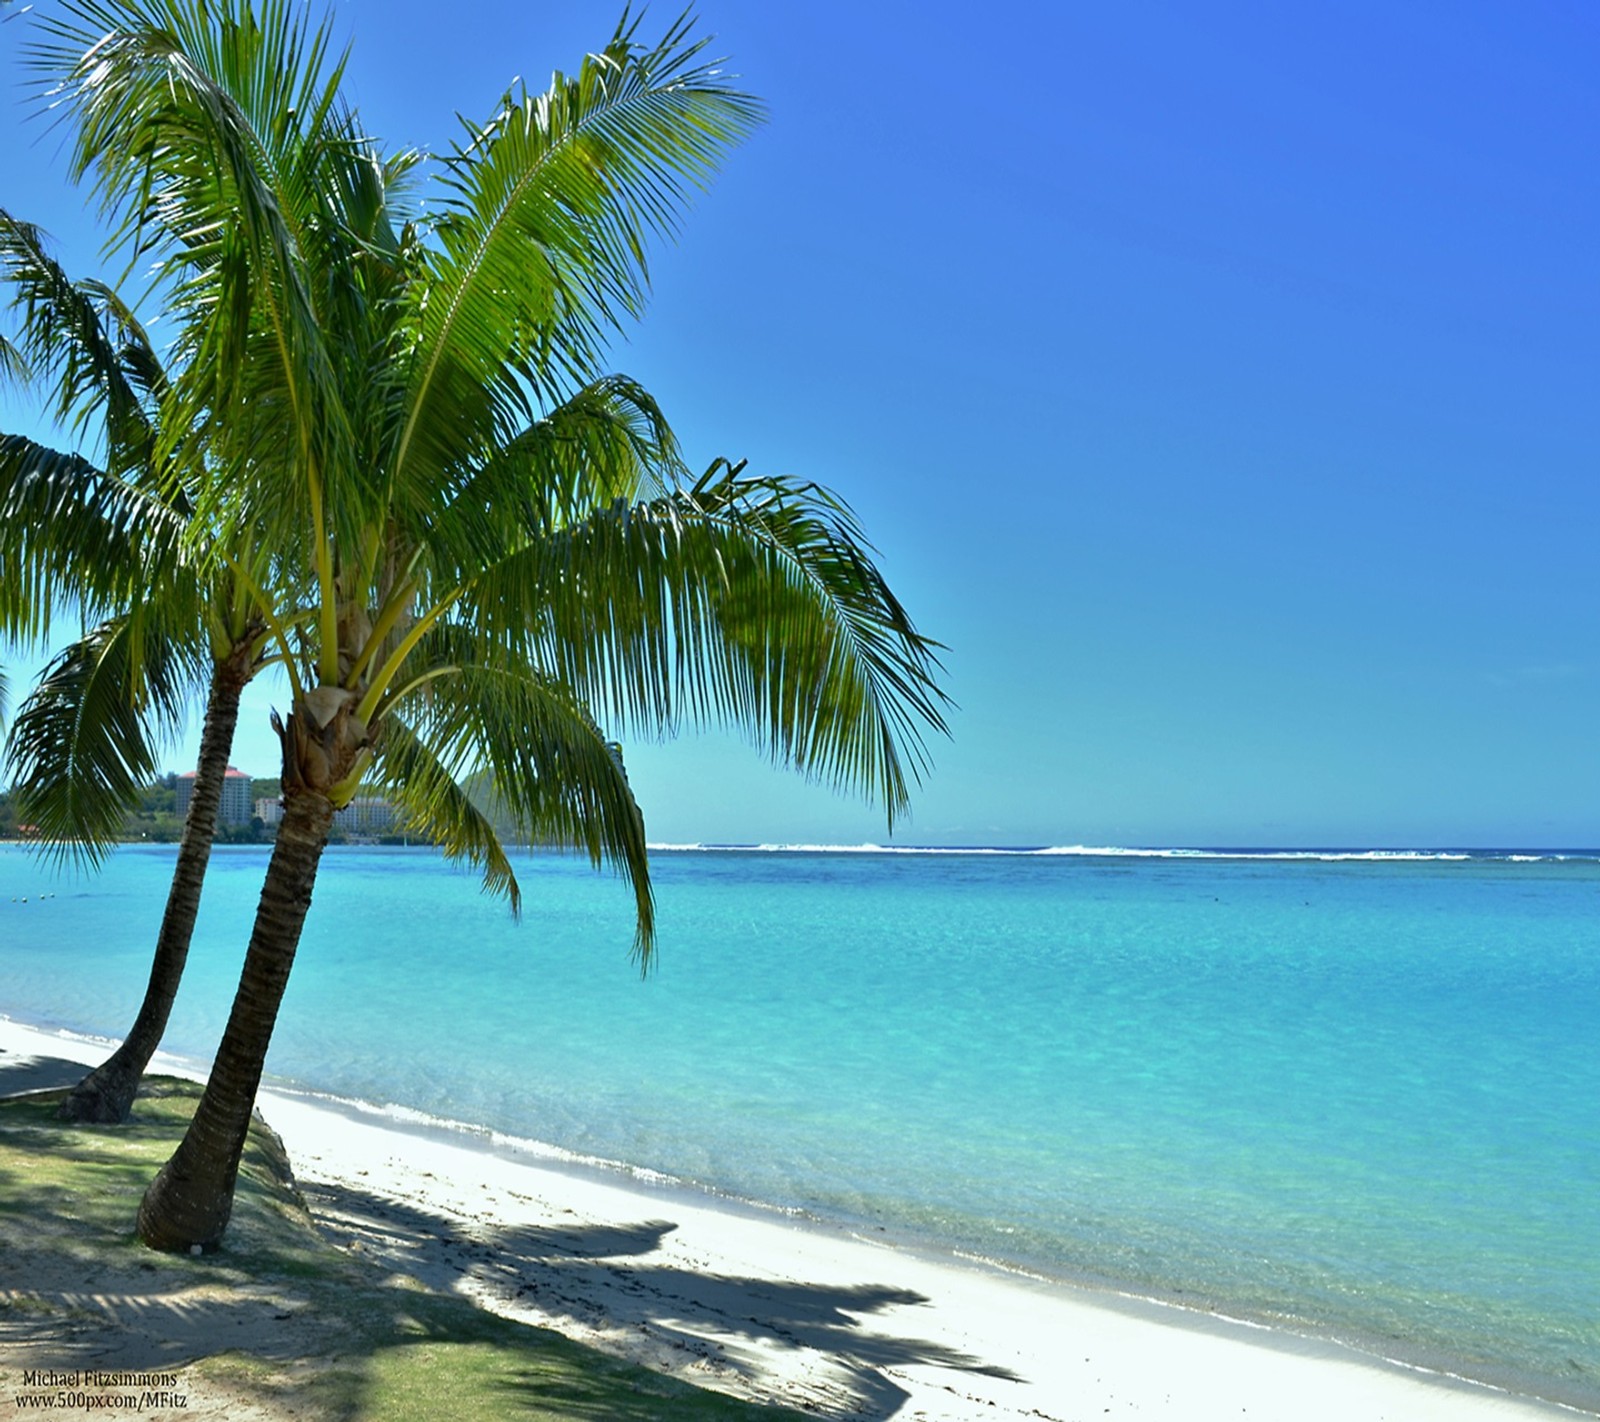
column 1173, row 1309
column 769, row 1305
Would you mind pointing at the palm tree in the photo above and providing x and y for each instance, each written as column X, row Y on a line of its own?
column 504, row 547
column 84, row 740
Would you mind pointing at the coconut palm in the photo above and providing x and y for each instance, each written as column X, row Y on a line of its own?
column 85, row 739
column 510, row 566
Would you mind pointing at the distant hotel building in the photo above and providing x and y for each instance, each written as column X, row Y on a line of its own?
column 235, row 809
column 367, row 816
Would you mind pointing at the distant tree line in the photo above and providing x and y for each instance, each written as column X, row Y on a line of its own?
column 154, row 817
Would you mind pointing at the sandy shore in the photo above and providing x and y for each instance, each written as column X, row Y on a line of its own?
column 778, row 1309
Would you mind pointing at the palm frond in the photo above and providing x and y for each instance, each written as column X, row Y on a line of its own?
column 742, row 601
column 546, row 217
column 14, row 367
column 549, row 766
column 607, row 441
column 70, row 531
column 414, row 780
column 85, row 740
column 208, row 132
column 105, row 369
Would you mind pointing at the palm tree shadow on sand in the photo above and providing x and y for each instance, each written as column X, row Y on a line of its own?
column 595, row 1279
column 22, row 1074
column 601, row 1278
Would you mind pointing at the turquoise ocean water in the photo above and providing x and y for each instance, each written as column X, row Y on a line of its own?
column 1355, row 1096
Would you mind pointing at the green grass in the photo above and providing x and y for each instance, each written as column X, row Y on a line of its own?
column 306, row 1327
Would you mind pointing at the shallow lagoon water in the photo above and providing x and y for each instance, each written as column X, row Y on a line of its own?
column 1355, row 1096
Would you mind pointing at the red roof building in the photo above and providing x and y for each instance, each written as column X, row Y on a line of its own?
column 237, row 804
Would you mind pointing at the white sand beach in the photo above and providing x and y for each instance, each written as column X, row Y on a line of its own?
column 779, row 1309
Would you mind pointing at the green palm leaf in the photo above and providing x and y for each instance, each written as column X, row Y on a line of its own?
column 83, row 335
column 13, row 365
column 184, row 113
column 740, row 601
column 607, row 441
column 413, row 779
column 81, row 747
column 549, row 766
column 69, row 531
column 547, row 212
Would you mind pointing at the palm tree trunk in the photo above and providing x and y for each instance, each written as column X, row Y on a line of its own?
column 106, row 1094
column 189, row 1202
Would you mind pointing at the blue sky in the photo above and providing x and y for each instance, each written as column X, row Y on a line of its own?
column 1218, row 383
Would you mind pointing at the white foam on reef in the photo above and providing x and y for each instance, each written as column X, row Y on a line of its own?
column 1329, row 856
column 1113, row 851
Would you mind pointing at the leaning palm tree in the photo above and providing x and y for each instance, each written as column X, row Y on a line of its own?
column 108, row 536
column 509, row 565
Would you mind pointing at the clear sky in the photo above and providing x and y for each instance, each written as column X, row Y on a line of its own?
column 1218, row 382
